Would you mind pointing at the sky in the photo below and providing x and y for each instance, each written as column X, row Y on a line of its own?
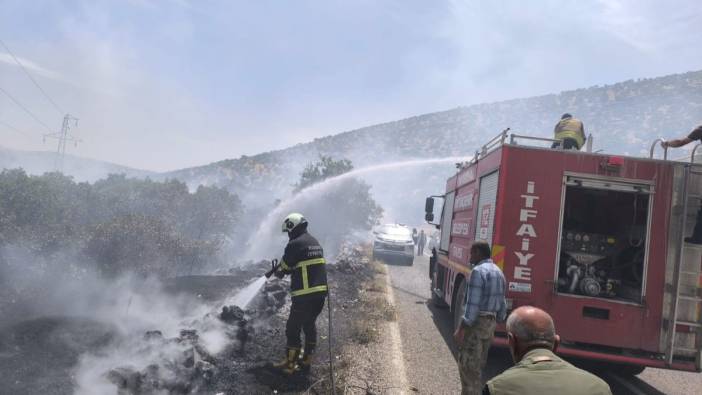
column 162, row 85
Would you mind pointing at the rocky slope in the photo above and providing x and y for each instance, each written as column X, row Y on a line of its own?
column 624, row 118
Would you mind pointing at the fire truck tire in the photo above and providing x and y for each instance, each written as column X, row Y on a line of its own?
column 628, row 370
column 458, row 303
column 436, row 300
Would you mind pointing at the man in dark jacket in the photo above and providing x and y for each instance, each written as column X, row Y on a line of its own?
column 304, row 261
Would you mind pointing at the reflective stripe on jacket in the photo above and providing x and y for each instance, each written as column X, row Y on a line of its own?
column 304, row 261
column 570, row 128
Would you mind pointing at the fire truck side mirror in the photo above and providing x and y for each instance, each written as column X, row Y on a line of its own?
column 429, row 217
column 429, row 207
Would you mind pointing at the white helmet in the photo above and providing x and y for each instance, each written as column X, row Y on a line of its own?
column 292, row 221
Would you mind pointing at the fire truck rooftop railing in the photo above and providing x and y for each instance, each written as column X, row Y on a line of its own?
column 660, row 141
column 513, row 139
column 653, row 148
column 692, row 156
column 501, row 138
column 492, row 144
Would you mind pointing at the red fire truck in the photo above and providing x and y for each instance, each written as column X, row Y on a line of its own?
column 597, row 240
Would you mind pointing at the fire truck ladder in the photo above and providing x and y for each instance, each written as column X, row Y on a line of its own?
column 686, row 303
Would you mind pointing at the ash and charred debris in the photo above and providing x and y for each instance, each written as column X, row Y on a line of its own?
column 153, row 335
column 191, row 370
column 351, row 259
column 275, row 292
column 254, row 335
column 234, row 315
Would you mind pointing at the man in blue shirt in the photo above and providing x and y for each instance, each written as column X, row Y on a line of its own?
column 485, row 305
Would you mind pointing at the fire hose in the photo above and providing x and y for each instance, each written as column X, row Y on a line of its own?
column 275, row 265
column 331, row 357
column 274, row 268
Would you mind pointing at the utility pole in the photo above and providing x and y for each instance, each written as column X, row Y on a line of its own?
column 63, row 136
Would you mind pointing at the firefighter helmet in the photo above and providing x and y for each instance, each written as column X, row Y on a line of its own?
column 292, row 221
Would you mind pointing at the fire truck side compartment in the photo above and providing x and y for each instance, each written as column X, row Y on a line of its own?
column 632, row 324
column 603, row 238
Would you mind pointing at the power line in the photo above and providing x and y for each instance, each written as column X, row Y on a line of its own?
column 7, row 125
column 32, row 78
column 26, row 110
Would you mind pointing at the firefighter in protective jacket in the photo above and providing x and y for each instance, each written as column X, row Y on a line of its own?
column 570, row 132
column 304, row 261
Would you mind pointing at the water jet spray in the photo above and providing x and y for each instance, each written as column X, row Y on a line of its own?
column 259, row 241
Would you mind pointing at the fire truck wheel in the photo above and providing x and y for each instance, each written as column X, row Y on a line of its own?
column 628, row 370
column 458, row 304
column 436, row 300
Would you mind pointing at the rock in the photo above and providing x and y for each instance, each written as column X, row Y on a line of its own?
column 205, row 370
column 233, row 315
column 189, row 335
column 273, row 285
column 125, row 378
column 189, row 358
column 280, row 296
column 153, row 335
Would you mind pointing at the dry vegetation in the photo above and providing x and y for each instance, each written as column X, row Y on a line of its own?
column 375, row 307
column 362, row 372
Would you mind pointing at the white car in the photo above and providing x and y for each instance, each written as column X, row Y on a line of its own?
column 393, row 240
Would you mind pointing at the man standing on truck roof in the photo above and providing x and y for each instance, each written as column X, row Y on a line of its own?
column 485, row 305
column 696, row 134
column 304, row 261
column 537, row 370
column 570, row 131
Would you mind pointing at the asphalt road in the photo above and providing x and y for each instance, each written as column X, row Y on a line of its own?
column 427, row 343
column 429, row 352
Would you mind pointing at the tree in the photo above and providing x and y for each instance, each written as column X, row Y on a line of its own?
column 211, row 214
column 325, row 168
column 121, row 223
column 140, row 244
column 336, row 212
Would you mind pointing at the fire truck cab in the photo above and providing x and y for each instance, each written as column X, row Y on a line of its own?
column 596, row 240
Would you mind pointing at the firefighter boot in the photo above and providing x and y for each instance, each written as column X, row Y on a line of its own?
column 289, row 364
column 307, row 358
column 697, row 231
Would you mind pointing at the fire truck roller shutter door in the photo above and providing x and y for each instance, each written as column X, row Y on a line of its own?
column 446, row 220
column 486, row 207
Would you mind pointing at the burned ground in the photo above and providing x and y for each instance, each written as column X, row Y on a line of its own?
column 37, row 356
column 49, row 354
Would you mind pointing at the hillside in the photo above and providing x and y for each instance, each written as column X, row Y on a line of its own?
column 623, row 118
column 81, row 169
